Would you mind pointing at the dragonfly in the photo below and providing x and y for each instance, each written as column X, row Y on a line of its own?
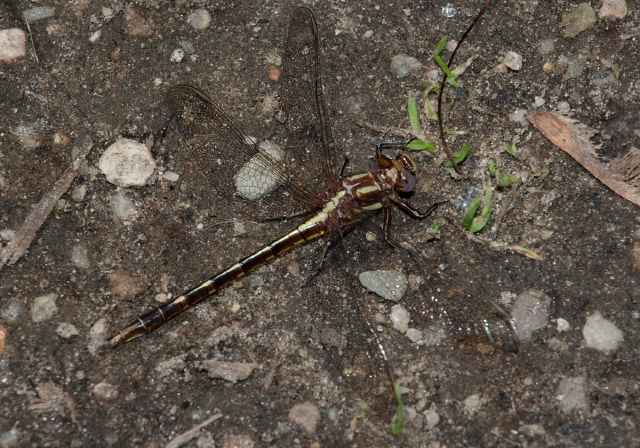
column 305, row 181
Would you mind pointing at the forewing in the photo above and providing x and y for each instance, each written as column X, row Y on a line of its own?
column 310, row 147
column 240, row 173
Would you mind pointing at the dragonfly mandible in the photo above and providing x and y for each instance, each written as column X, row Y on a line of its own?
column 334, row 205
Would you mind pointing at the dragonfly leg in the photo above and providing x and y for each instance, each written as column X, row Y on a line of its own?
column 318, row 269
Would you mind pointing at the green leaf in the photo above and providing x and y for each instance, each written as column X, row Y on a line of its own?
column 398, row 422
column 412, row 109
column 459, row 158
column 440, row 46
column 492, row 168
column 504, row 180
column 450, row 132
column 420, row 145
column 467, row 221
column 511, row 150
column 451, row 77
column 479, row 223
column 436, row 225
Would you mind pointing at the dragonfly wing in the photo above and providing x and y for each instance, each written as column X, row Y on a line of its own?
column 235, row 166
column 310, row 146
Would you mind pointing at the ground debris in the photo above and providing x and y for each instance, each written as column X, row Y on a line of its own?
column 621, row 174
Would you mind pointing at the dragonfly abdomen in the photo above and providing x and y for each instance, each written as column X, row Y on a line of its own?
column 313, row 228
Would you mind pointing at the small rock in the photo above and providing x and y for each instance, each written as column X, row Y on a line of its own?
column 563, row 107
column 78, row 193
column 177, row 55
column 38, row 13
column 66, row 330
column 612, row 10
column 135, row 24
column 513, row 61
column 530, row 313
column 473, row 403
column 199, row 19
column 400, row 318
column 518, row 115
column 583, row 18
column 123, row 207
column 306, row 415
column 390, row 285
column 601, row 334
column 13, row 44
column 123, row 285
column 80, row 256
column 7, row 234
column 11, row 311
column 274, row 73
column 532, row 430
column 293, row 268
column 97, row 336
column 572, row 394
column 501, row 68
column 127, row 163
column 238, row 441
column 44, row 307
column 549, row 67
column 562, row 325
column 432, row 418
column 30, row 134
column 539, row 101
column 11, row 439
column 402, row 64
column 105, row 391
column 228, row 371
column 188, row 47
column 546, row 46
column 415, row 335
column 171, row 176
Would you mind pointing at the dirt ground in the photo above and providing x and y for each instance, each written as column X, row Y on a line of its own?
column 60, row 389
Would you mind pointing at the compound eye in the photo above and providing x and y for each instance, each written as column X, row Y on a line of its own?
column 406, row 181
column 386, row 158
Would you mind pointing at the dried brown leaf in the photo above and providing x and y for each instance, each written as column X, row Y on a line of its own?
column 622, row 174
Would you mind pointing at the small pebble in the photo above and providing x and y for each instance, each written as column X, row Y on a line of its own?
column 78, row 193
column 235, row 441
column 613, row 10
column 601, row 334
column 171, row 176
column 228, row 371
column 274, row 73
column 414, row 335
column 549, row 67
column 123, row 207
column 188, row 47
column 572, row 394
column 530, row 313
column 539, row 101
column 518, row 115
column 127, row 163
column 368, row 34
column 432, row 418
column 579, row 20
column 135, row 24
column 11, row 311
column 105, row 391
column 400, row 318
column 11, row 438
column 306, row 415
column 177, row 55
column 473, row 403
column 66, row 330
column 123, row 285
column 390, row 285
column 13, row 44
column 562, row 325
column 563, row 107
column 293, row 268
column 80, row 256
column 199, row 19
column 32, row 15
column 7, row 234
column 513, row 61
column 44, row 308
column 97, row 336
column 402, row 64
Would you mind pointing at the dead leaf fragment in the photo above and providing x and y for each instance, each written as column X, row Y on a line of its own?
column 583, row 18
column 621, row 174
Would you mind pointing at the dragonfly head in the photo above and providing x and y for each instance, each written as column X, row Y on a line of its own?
column 406, row 180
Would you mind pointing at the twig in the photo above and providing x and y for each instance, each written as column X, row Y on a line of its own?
column 191, row 434
column 35, row 53
column 515, row 192
column 394, row 130
column 19, row 245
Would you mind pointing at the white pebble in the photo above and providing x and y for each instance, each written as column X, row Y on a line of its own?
column 513, row 60
column 13, row 44
column 44, row 308
column 530, row 313
column 200, row 19
column 562, row 325
column 127, row 163
column 400, row 318
column 613, row 9
column 601, row 334
column 306, row 415
column 390, row 285
column 572, row 394
column 123, row 207
column 177, row 55
column 38, row 13
column 97, row 336
column 228, row 371
column 171, row 176
column 105, row 391
column 7, row 234
column 66, row 330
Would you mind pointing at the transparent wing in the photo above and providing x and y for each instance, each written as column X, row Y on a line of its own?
column 310, row 146
column 236, row 167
